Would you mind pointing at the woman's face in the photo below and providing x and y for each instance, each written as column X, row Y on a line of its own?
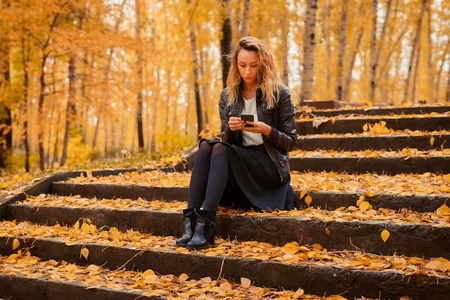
column 248, row 65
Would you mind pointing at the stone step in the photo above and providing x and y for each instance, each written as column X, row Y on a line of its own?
column 56, row 279
column 380, row 111
column 341, row 230
column 350, row 125
column 380, row 165
column 419, row 192
column 327, row 200
column 351, row 142
column 290, row 267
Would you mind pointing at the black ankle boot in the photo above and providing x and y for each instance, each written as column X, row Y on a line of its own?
column 190, row 219
column 205, row 230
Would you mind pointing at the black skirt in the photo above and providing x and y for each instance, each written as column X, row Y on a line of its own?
column 254, row 180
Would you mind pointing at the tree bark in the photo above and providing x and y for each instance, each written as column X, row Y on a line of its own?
column 245, row 17
column 416, row 69
column 441, row 67
column 97, row 127
column 70, row 109
column 5, row 111
column 308, row 51
column 413, row 52
column 226, row 41
column 349, row 71
column 139, row 64
column 168, row 67
column 25, row 61
column 429, row 58
column 328, row 43
column 342, row 44
column 206, row 81
column 447, row 96
column 42, row 85
column 195, row 71
column 237, row 21
column 55, row 147
column 285, row 46
column 373, row 49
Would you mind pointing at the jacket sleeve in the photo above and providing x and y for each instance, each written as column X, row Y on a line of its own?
column 226, row 133
column 284, row 135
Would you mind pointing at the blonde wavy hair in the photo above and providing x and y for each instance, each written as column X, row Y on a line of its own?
column 268, row 79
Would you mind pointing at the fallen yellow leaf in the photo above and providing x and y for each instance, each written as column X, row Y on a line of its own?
column 432, row 141
column 298, row 293
column 183, row 277
column 385, row 235
column 302, row 194
column 308, row 200
column 15, row 244
column 85, row 253
column 245, row 282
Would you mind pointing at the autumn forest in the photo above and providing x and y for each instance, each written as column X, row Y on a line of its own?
column 80, row 79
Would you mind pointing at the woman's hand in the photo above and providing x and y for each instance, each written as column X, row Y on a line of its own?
column 258, row 127
column 235, row 123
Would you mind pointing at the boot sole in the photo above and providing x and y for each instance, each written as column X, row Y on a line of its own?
column 200, row 247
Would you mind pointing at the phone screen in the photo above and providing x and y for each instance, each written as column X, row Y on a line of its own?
column 247, row 118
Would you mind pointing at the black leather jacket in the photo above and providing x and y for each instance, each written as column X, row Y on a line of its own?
column 281, row 118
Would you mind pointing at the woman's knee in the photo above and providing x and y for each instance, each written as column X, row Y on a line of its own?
column 219, row 150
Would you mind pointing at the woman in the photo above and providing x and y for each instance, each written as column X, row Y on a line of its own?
column 251, row 163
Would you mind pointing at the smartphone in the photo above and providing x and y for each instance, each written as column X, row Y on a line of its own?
column 247, row 118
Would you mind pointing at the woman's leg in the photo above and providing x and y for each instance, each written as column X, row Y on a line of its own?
column 205, row 228
column 199, row 177
column 217, row 178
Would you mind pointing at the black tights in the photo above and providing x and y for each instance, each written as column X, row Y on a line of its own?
column 209, row 176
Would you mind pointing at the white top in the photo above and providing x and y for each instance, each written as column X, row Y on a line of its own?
column 251, row 138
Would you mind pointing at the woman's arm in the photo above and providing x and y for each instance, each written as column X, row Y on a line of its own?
column 226, row 133
column 284, row 135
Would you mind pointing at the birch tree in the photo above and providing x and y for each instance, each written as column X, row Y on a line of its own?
column 308, row 51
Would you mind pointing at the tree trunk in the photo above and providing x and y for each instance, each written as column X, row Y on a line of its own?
column 308, row 51
column 245, row 17
column 373, row 49
column 156, row 79
column 441, row 67
column 206, row 81
column 41, row 113
column 285, row 47
column 6, row 119
column 188, row 106
column 105, row 132
column 237, row 21
column 55, row 148
column 25, row 60
column 168, row 67
column 413, row 52
column 349, row 71
column 430, row 76
column 198, row 101
column 139, row 64
column 342, row 44
column 447, row 96
column 42, row 85
column 392, row 50
column 155, row 111
column 226, row 42
column 97, row 126
column 70, row 109
column 328, row 44
column 416, row 69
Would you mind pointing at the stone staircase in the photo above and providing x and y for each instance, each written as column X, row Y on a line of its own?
column 84, row 238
